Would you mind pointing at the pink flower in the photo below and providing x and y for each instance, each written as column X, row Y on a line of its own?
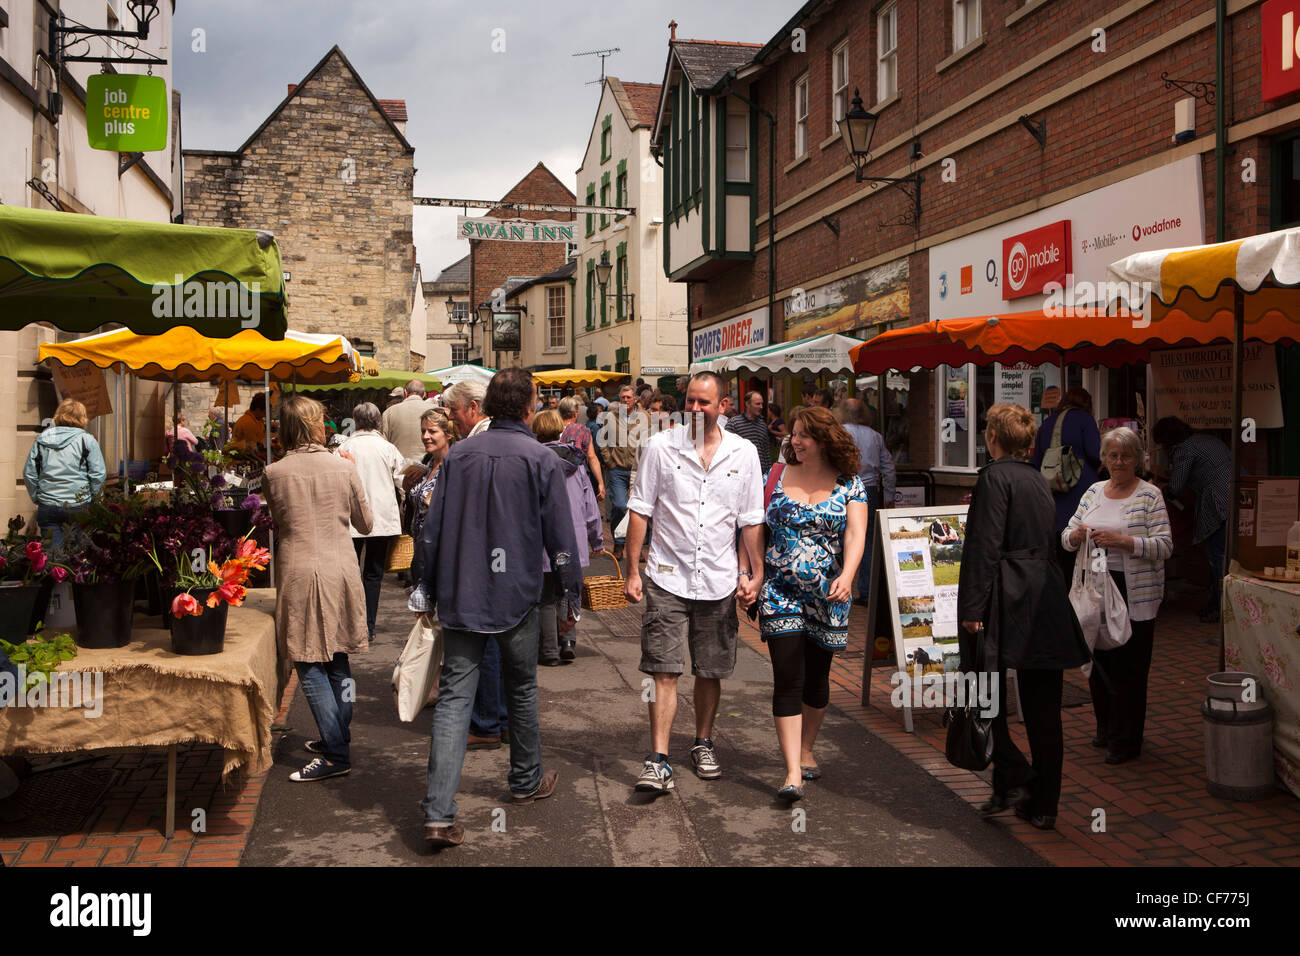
column 39, row 562
column 59, row 574
column 185, row 603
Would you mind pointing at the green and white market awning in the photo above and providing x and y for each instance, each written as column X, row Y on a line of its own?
column 79, row 273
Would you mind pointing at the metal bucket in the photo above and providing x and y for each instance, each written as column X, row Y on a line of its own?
column 1228, row 692
column 1238, row 748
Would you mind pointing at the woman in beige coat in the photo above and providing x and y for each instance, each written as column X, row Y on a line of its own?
column 320, row 610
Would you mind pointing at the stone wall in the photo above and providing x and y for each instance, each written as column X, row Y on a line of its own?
column 330, row 177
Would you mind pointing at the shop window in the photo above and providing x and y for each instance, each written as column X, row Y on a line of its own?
column 1286, row 183
column 839, row 84
column 965, row 398
column 801, row 116
column 965, row 23
column 887, row 53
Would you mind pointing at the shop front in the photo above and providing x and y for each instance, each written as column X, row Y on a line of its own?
column 1052, row 262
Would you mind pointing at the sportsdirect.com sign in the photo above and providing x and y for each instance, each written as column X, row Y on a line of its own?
column 126, row 113
column 742, row 332
column 1035, row 258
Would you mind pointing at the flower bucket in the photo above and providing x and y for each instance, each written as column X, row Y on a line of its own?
column 42, row 605
column 164, row 600
column 104, row 613
column 201, row 634
column 18, row 609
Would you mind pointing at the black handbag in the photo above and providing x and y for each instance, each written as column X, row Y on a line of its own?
column 969, row 743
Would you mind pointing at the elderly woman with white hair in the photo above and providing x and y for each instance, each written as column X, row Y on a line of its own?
column 381, row 466
column 1126, row 517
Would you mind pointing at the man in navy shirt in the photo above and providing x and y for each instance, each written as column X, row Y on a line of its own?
column 499, row 501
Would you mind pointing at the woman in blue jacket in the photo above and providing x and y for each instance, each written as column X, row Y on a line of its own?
column 64, row 470
column 1079, row 431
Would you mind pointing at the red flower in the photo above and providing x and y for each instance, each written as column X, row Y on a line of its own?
column 251, row 555
column 184, row 603
column 33, row 550
column 59, row 574
column 230, row 592
column 40, row 561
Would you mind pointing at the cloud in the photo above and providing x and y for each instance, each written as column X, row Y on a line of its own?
column 479, row 120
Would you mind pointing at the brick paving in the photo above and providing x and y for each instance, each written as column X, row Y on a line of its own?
column 1157, row 810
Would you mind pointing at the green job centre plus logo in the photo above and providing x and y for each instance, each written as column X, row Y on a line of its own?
column 126, row 113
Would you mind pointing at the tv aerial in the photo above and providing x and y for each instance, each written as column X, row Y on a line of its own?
column 602, row 54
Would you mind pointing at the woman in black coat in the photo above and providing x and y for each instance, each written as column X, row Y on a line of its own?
column 1010, row 585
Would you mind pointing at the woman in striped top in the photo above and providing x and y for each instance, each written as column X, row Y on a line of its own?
column 1125, row 516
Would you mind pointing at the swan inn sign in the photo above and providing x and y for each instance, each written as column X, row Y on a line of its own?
column 515, row 230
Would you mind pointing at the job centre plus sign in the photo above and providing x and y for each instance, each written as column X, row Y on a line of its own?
column 126, row 113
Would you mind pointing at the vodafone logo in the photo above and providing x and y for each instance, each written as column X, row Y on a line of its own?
column 1018, row 266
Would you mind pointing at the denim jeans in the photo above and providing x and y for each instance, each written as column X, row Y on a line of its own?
column 549, row 646
column 1214, row 554
column 372, row 554
column 619, row 484
column 52, row 518
column 873, row 523
column 462, row 657
column 329, row 691
column 489, row 715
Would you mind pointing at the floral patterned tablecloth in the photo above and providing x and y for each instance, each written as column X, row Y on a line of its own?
column 1261, row 619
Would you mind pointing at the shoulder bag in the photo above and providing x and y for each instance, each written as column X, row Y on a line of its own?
column 969, row 741
column 415, row 677
column 1060, row 466
column 1098, row 605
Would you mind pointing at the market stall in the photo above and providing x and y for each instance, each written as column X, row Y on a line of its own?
column 577, row 377
column 1251, row 286
column 143, row 695
column 78, row 273
column 463, row 373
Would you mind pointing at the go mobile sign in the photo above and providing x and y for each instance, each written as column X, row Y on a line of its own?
column 1032, row 259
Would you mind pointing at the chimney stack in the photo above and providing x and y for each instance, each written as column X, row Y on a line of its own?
column 672, row 31
column 292, row 87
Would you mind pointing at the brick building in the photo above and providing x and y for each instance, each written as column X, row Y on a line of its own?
column 331, row 174
column 493, row 264
column 963, row 90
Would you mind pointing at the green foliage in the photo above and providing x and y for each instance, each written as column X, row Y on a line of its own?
column 40, row 656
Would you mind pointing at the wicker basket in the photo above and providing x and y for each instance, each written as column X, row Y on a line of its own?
column 604, row 592
column 400, row 553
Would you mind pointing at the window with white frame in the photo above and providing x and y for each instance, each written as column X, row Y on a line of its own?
column 801, row 116
column 459, row 353
column 839, row 84
column 887, row 53
column 555, row 316
column 738, row 143
column 460, row 311
column 965, row 23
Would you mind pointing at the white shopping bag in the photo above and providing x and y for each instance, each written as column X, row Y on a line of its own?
column 1097, row 603
column 415, row 677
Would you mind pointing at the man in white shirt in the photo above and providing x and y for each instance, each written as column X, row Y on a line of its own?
column 700, row 485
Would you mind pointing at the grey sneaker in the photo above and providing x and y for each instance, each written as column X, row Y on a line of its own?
column 655, row 777
column 705, row 761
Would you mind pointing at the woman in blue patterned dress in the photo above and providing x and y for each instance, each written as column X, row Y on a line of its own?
column 816, row 517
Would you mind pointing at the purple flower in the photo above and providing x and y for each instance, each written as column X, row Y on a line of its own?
column 251, row 503
column 217, row 501
column 217, row 481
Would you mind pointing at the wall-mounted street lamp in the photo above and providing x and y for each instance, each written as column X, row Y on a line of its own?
column 603, row 271
column 856, row 130
column 64, row 40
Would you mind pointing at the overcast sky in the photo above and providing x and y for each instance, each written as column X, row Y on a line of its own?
column 479, row 120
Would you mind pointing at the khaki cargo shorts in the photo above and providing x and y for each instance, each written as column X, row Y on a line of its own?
column 672, row 624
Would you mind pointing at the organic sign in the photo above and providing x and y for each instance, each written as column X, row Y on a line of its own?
column 126, row 113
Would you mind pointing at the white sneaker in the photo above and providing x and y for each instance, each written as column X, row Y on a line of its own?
column 655, row 777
